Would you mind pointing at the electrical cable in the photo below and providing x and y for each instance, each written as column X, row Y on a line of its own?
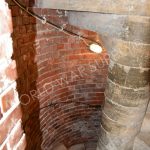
column 45, row 21
column 70, row 33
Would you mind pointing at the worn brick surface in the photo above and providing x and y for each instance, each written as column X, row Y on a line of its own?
column 54, row 67
column 10, row 111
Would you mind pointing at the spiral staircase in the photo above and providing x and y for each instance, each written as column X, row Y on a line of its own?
column 142, row 141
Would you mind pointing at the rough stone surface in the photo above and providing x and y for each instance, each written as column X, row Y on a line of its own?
column 77, row 147
column 109, row 6
column 115, row 28
column 60, row 147
column 127, row 91
column 140, row 145
column 142, row 141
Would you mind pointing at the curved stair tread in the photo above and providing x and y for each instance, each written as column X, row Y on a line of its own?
column 140, row 145
column 77, row 147
column 60, row 147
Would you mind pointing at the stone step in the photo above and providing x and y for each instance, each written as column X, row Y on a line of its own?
column 60, row 147
column 140, row 145
column 146, row 121
column 142, row 141
column 77, row 147
column 90, row 145
column 144, row 135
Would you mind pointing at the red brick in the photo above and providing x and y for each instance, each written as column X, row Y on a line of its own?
column 22, row 30
column 7, row 125
column 30, row 28
column 11, row 72
column 5, row 22
column 15, row 11
column 7, row 101
column 65, row 54
column 22, row 143
column 37, row 10
column 18, row 21
column 32, row 20
column 26, row 20
column 4, row 147
column 60, row 46
column 16, row 135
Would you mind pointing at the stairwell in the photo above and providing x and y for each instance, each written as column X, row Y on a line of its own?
column 142, row 141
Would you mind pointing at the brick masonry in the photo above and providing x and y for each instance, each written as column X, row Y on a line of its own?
column 52, row 67
column 10, row 111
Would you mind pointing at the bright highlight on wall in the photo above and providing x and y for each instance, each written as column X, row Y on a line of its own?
column 95, row 48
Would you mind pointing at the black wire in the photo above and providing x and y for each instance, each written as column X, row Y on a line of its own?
column 71, row 33
column 57, row 26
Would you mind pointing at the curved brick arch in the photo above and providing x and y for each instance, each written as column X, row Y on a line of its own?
column 54, row 67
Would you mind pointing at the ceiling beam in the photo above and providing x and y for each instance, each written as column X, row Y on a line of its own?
column 113, row 27
column 132, row 7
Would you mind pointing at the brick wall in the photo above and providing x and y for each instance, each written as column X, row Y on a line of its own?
column 11, row 133
column 53, row 67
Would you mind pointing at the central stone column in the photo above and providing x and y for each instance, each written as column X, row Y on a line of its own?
column 127, row 39
column 127, row 92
